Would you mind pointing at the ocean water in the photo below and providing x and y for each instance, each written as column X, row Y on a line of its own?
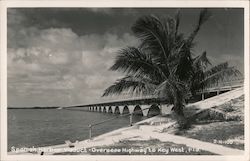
column 44, row 127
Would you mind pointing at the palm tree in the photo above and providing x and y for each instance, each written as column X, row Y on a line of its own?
column 163, row 64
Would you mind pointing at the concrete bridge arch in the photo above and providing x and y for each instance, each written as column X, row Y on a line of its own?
column 109, row 109
column 124, row 110
column 116, row 110
column 143, row 110
column 154, row 110
column 138, row 110
column 147, row 110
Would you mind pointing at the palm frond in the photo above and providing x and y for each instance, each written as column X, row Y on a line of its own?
column 134, row 62
column 217, row 68
column 172, row 90
column 184, row 65
column 131, row 85
column 202, row 61
column 196, row 80
column 177, row 21
column 200, row 64
column 219, row 73
column 203, row 17
column 151, row 31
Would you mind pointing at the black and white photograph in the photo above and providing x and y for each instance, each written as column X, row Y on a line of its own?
column 91, row 81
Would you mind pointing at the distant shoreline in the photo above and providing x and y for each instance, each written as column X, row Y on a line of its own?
column 33, row 107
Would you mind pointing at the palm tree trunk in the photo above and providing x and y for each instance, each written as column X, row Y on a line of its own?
column 179, row 115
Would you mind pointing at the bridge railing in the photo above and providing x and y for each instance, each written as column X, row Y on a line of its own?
column 90, row 126
column 227, row 83
column 223, row 85
column 215, row 87
column 126, row 98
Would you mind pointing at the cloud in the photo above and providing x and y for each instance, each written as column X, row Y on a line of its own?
column 101, row 10
column 62, row 56
column 110, row 11
column 74, row 68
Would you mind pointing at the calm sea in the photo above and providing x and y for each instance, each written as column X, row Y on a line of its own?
column 43, row 127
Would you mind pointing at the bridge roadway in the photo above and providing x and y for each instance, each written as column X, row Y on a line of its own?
column 150, row 105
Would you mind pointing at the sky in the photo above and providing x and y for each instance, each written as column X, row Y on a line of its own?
column 62, row 56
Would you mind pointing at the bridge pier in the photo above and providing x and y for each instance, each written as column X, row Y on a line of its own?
column 107, row 109
column 113, row 109
column 202, row 96
column 145, row 110
column 166, row 109
column 131, row 108
column 121, row 108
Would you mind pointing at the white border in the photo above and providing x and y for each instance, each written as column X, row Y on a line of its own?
column 117, row 3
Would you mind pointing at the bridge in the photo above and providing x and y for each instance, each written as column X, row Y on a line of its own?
column 151, row 105
column 148, row 105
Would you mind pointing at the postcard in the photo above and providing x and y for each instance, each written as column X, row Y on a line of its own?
column 127, row 80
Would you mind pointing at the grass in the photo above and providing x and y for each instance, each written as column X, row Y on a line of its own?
column 217, row 132
column 220, row 124
column 221, row 131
